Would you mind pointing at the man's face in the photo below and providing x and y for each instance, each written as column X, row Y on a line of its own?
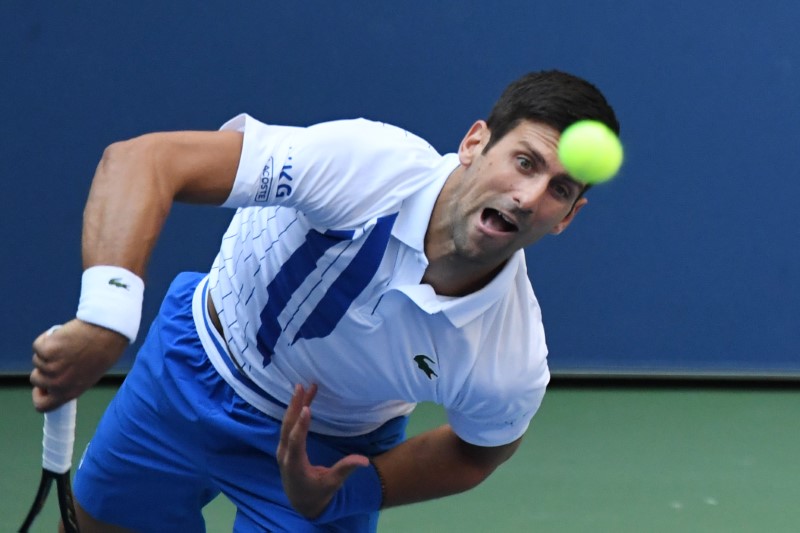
column 512, row 195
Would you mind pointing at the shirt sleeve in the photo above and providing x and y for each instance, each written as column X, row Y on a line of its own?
column 497, row 424
column 255, row 182
column 505, row 387
column 340, row 174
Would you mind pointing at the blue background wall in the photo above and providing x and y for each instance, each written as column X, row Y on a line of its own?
column 688, row 262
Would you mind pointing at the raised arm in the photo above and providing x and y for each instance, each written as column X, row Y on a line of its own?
column 134, row 187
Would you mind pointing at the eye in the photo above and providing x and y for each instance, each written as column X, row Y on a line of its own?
column 524, row 163
column 562, row 191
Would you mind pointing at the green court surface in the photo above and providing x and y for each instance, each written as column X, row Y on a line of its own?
column 599, row 459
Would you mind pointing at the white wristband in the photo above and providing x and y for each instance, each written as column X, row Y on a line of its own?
column 111, row 297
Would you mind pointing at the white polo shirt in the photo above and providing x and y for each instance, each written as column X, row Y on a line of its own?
column 318, row 281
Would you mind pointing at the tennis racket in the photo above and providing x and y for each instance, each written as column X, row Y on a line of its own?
column 57, row 446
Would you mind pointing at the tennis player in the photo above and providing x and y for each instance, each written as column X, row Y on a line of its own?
column 362, row 273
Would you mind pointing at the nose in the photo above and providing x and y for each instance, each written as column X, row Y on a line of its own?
column 529, row 191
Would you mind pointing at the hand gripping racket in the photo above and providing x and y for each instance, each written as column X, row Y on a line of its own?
column 57, row 446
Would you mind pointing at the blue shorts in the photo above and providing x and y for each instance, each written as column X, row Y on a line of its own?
column 176, row 435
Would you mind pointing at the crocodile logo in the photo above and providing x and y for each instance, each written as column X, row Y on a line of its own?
column 117, row 282
column 422, row 363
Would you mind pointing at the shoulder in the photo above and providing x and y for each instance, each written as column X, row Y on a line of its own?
column 356, row 170
column 342, row 131
column 340, row 173
column 361, row 134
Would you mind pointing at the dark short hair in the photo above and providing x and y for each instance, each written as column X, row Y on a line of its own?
column 551, row 97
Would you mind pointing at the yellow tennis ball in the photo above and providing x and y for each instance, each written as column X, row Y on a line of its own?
column 590, row 151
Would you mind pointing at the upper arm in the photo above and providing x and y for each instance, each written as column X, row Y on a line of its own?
column 189, row 166
column 137, row 182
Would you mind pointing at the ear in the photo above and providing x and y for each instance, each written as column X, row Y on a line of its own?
column 473, row 142
column 561, row 226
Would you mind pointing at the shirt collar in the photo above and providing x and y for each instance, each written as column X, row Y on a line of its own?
column 415, row 213
column 463, row 309
column 410, row 227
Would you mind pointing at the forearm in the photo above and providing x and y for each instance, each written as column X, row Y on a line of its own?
column 436, row 464
column 137, row 182
column 133, row 189
column 126, row 209
column 122, row 217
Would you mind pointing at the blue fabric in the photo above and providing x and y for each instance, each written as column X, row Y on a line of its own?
column 176, row 435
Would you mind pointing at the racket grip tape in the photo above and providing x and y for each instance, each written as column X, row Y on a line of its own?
column 59, row 433
column 59, row 437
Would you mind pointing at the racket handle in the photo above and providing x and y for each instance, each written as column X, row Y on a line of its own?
column 59, row 437
column 59, row 434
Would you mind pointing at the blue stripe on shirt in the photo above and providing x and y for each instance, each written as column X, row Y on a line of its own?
column 279, row 291
column 353, row 279
column 333, row 305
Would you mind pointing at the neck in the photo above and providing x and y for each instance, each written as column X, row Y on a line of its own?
column 450, row 272
column 453, row 277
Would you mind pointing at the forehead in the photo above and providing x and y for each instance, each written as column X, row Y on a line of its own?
column 537, row 134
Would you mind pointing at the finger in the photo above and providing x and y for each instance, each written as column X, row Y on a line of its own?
column 42, row 345
column 49, row 373
column 39, row 396
column 296, row 446
column 292, row 412
column 290, row 419
column 48, row 392
column 346, row 465
column 45, row 367
column 310, row 394
column 46, row 356
column 301, row 399
column 40, row 352
column 38, row 341
column 43, row 401
column 40, row 380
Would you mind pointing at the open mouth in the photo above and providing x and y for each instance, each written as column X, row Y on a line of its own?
column 497, row 221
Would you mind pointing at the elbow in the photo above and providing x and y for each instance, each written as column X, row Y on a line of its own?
column 111, row 155
column 123, row 153
column 480, row 462
column 134, row 163
column 129, row 170
column 475, row 475
column 480, row 470
column 469, row 475
column 115, row 150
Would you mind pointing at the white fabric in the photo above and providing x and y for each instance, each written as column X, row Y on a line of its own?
column 58, row 439
column 272, row 282
column 111, row 297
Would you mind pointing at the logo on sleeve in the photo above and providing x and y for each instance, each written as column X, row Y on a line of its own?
column 284, row 179
column 268, row 179
column 422, row 362
column 265, row 185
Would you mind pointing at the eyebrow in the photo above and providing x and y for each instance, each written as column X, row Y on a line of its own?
column 580, row 185
column 534, row 153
